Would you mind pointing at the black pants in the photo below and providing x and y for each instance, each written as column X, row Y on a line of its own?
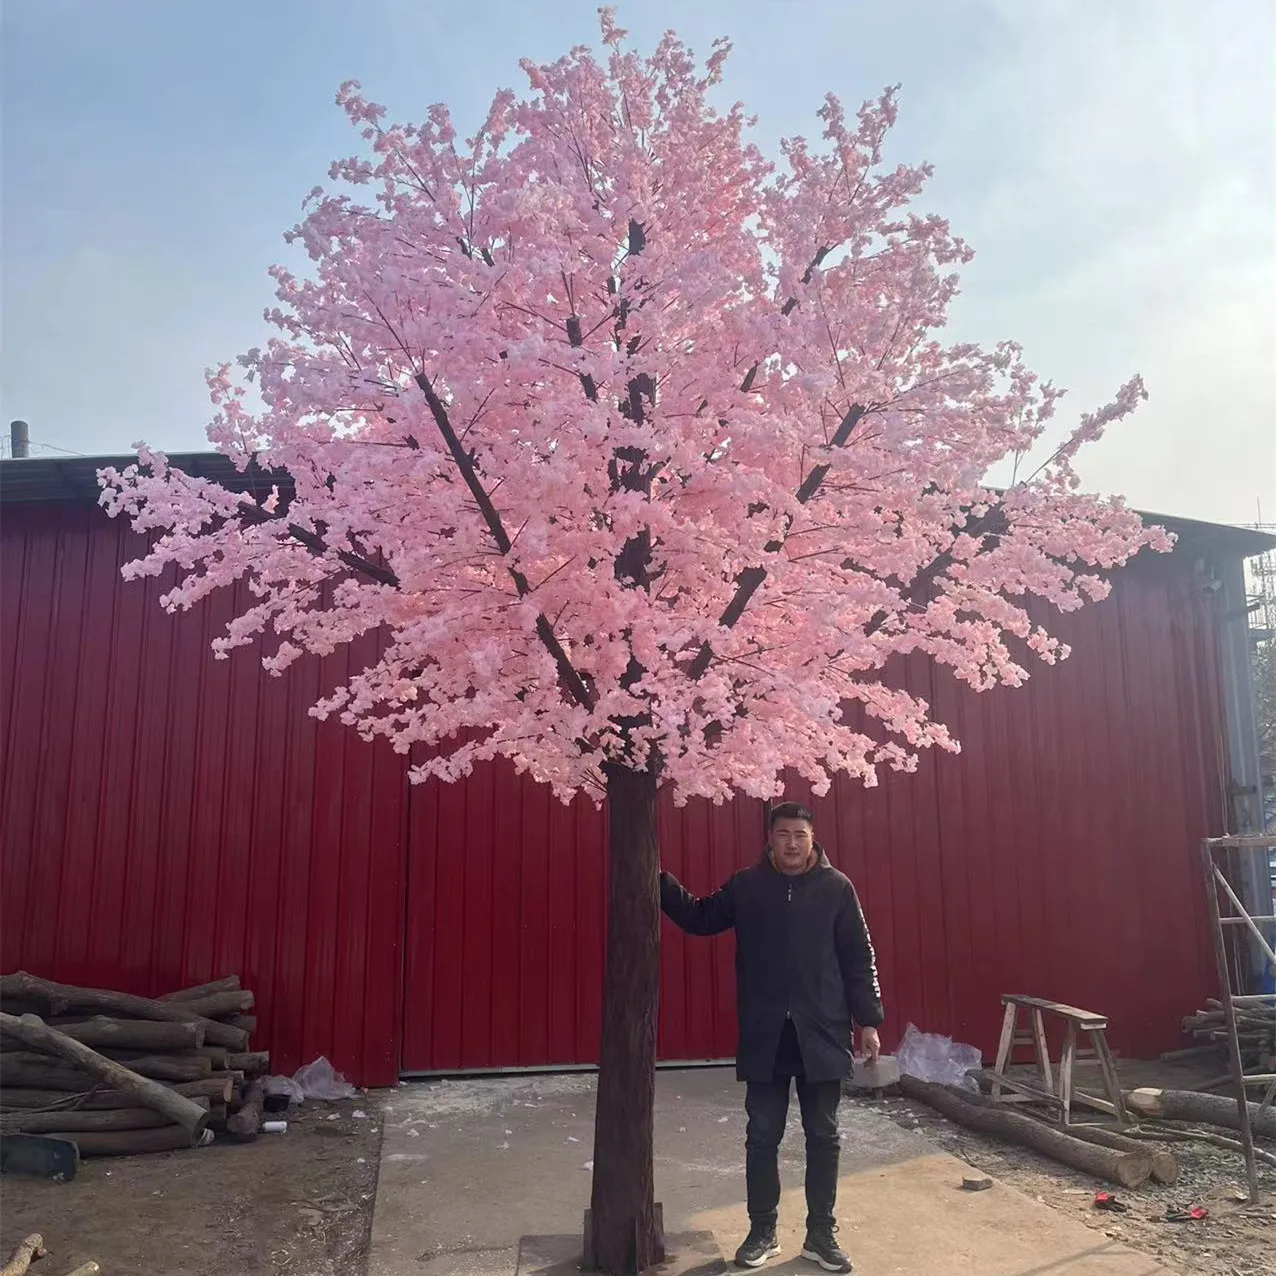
column 767, row 1105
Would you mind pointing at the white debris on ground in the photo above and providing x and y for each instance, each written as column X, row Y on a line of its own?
column 429, row 1103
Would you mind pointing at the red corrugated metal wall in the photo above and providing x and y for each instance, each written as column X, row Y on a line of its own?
column 506, row 909
column 1058, row 854
column 168, row 818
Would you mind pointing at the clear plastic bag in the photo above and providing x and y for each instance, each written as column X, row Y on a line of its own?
column 931, row 1057
column 320, row 1080
column 282, row 1085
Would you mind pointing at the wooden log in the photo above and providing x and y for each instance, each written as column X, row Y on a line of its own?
column 255, row 1063
column 248, row 1023
column 46, row 1074
column 179, row 1109
column 103, row 1033
column 245, row 1125
column 164, row 1138
column 1165, row 1166
column 217, row 1116
column 214, row 1089
column 1165, row 1134
column 30, row 1068
column 62, row 1120
column 168, row 1067
column 22, row 1257
column 1128, row 1169
column 217, row 1004
column 216, row 1056
column 162, row 1067
column 1208, row 1109
column 61, row 998
column 229, row 984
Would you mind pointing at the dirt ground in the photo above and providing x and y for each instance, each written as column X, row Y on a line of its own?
column 300, row 1203
column 297, row 1204
column 1237, row 1239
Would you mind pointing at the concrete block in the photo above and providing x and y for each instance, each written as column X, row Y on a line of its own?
column 874, row 1076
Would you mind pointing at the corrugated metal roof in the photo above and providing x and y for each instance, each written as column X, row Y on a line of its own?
column 74, row 479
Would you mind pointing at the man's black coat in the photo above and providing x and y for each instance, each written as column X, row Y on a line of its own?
column 802, row 951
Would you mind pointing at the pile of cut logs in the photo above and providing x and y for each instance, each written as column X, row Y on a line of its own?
column 1256, row 1031
column 118, row 1074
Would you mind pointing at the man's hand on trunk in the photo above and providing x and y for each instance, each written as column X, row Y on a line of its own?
column 870, row 1043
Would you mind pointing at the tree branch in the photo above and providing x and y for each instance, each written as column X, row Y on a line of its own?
column 750, row 578
column 992, row 523
column 317, row 545
column 572, row 681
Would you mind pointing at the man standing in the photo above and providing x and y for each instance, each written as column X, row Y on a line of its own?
column 805, row 973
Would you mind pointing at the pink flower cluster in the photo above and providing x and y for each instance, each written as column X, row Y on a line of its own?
column 634, row 447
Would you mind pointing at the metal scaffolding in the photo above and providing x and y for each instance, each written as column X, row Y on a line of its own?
column 1234, row 974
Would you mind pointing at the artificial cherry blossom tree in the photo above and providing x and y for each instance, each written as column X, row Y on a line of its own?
column 645, row 456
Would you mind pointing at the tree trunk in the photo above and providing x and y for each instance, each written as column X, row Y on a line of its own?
column 245, row 1124
column 151, row 1094
column 1165, row 1165
column 254, row 1063
column 146, row 1035
column 82, row 1119
column 164, row 1138
column 625, row 1235
column 217, row 1089
column 229, row 984
column 61, row 999
column 1209, row 1109
column 1129, row 1169
column 22, row 1257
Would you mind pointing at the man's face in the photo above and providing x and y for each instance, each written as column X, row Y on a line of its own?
column 791, row 844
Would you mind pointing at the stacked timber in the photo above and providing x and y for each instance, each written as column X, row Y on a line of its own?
column 1256, row 1032
column 118, row 1074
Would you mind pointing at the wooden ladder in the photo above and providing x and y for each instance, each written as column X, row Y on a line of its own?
column 1058, row 1095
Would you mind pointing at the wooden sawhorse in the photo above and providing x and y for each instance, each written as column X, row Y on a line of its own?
column 1059, row 1096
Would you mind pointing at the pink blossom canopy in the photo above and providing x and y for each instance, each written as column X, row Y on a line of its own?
column 633, row 446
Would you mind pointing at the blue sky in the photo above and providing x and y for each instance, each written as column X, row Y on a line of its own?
column 1113, row 165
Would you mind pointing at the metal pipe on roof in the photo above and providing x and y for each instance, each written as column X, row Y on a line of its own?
column 19, row 439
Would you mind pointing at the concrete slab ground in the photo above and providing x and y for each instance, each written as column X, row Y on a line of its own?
column 470, row 1167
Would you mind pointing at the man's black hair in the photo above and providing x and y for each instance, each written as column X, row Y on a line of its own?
column 790, row 811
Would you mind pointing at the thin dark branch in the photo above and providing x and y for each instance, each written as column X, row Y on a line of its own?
column 574, row 684
column 748, row 581
column 257, row 516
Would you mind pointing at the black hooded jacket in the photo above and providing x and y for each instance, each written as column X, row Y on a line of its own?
column 802, row 951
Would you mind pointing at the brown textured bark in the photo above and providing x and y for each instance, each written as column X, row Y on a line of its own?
column 625, row 1233
column 1208, row 1109
column 151, row 1094
column 31, row 1068
column 1165, row 1165
column 215, row 1089
column 1129, row 1169
column 22, row 1257
column 229, row 984
column 143, row 1035
column 60, row 999
column 85, row 1119
column 255, row 1063
column 245, row 1124
column 164, row 1138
